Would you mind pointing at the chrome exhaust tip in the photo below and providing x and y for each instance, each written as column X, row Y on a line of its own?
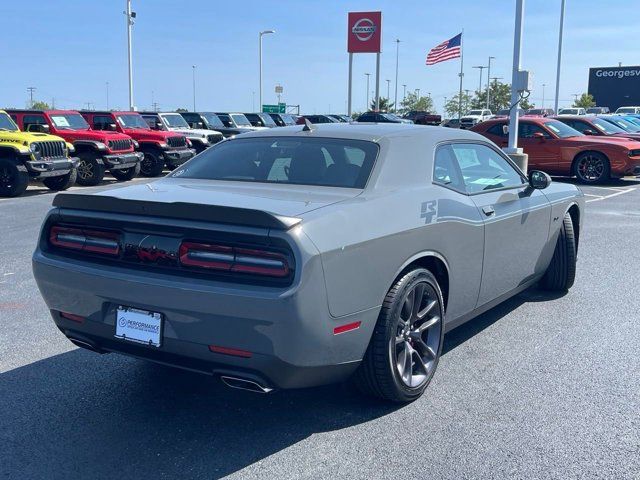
column 244, row 384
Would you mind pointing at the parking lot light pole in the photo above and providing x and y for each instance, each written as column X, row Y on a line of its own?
column 481, row 67
column 404, row 91
column 193, row 68
column 559, row 57
column 489, row 79
column 368, row 75
column 395, row 99
column 130, row 16
column 543, row 85
column 264, row 32
column 388, row 89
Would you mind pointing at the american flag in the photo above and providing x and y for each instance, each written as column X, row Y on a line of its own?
column 445, row 51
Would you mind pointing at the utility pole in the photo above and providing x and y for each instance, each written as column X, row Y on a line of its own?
column 489, row 79
column 88, row 104
column 559, row 56
column 130, row 20
column 575, row 98
column 193, row 70
column 368, row 75
column 261, row 34
column 543, row 85
column 395, row 100
column 31, row 90
column 480, row 67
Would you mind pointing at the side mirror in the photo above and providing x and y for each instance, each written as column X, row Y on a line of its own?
column 158, row 126
column 539, row 180
column 538, row 135
column 199, row 125
column 588, row 131
column 505, row 129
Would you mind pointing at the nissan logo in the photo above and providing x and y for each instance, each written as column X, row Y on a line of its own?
column 363, row 29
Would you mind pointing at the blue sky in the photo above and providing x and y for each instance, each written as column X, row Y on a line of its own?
column 69, row 49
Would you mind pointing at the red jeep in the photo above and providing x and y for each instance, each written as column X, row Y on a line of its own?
column 97, row 151
column 160, row 148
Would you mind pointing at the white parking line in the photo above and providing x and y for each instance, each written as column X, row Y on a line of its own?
column 604, row 197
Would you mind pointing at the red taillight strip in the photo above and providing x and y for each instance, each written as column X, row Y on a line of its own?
column 242, row 260
column 94, row 241
column 72, row 317
column 230, row 351
column 346, row 328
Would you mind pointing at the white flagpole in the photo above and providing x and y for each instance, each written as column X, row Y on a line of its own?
column 461, row 73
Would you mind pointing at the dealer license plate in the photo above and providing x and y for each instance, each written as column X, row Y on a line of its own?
column 139, row 326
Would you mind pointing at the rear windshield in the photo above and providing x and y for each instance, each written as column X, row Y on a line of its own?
column 301, row 161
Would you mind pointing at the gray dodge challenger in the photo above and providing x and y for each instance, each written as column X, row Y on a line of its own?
column 307, row 255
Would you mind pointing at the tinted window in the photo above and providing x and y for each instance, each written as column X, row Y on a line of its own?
column 497, row 130
column 101, row 121
column 445, row 169
column 305, row 161
column 33, row 120
column 484, row 169
column 527, row 130
column 151, row 121
column 226, row 120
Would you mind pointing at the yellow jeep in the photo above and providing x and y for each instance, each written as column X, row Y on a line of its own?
column 36, row 156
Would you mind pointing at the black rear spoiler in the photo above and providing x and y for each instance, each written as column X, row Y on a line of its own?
column 183, row 210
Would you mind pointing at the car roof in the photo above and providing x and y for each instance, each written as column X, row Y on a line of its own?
column 573, row 117
column 370, row 131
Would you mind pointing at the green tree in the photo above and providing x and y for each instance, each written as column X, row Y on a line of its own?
column 585, row 101
column 452, row 105
column 40, row 105
column 413, row 102
column 499, row 97
column 181, row 110
column 386, row 105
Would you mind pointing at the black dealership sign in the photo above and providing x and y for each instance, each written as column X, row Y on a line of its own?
column 615, row 87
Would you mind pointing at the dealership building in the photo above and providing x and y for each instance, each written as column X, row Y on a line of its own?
column 615, row 87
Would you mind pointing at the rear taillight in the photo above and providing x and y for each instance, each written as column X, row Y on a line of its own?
column 234, row 259
column 80, row 239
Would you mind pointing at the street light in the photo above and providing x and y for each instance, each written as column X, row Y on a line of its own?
column 264, row 32
column 543, row 85
column 489, row 79
column 481, row 67
column 368, row 75
column 130, row 20
column 193, row 68
column 404, row 91
column 395, row 100
column 388, row 86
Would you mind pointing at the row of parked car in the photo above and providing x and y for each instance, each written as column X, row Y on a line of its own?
column 62, row 147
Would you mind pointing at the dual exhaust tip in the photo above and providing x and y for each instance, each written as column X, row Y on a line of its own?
column 244, row 384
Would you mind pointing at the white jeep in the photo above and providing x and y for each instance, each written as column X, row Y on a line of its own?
column 200, row 139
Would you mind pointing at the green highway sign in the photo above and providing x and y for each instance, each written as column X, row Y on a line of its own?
column 279, row 108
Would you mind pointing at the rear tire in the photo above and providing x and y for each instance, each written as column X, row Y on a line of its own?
column 406, row 344
column 561, row 272
column 13, row 181
column 592, row 168
column 126, row 174
column 61, row 182
column 90, row 170
column 152, row 164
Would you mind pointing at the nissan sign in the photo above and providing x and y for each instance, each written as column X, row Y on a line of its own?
column 615, row 87
column 364, row 34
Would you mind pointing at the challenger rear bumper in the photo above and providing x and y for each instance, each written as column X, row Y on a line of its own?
column 122, row 161
column 287, row 330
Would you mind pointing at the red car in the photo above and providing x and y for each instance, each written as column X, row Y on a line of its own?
column 596, row 126
column 98, row 151
column 558, row 149
column 160, row 148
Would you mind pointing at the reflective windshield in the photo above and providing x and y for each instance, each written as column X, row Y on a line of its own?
column 213, row 120
column 626, row 110
column 240, row 120
column 625, row 125
column 6, row 123
column 568, row 111
column 475, row 112
column 174, row 120
column 268, row 121
column 303, row 161
column 606, row 127
column 132, row 121
column 561, row 130
column 69, row 121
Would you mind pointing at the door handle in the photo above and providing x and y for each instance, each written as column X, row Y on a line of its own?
column 488, row 210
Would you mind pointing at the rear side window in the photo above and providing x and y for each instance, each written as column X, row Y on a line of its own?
column 446, row 171
column 497, row 130
column 28, row 120
column 302, row 161
column 100, row 122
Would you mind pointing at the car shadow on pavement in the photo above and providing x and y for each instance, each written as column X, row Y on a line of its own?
column 83, row 415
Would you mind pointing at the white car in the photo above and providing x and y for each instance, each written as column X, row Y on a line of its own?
column 624, row 110
column 572, row 111
column 474, row 117
column 200, row 139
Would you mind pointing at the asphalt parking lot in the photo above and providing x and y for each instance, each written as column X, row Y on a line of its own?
column 539, row 387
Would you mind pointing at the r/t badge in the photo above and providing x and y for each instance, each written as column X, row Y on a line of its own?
column 429, row 211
